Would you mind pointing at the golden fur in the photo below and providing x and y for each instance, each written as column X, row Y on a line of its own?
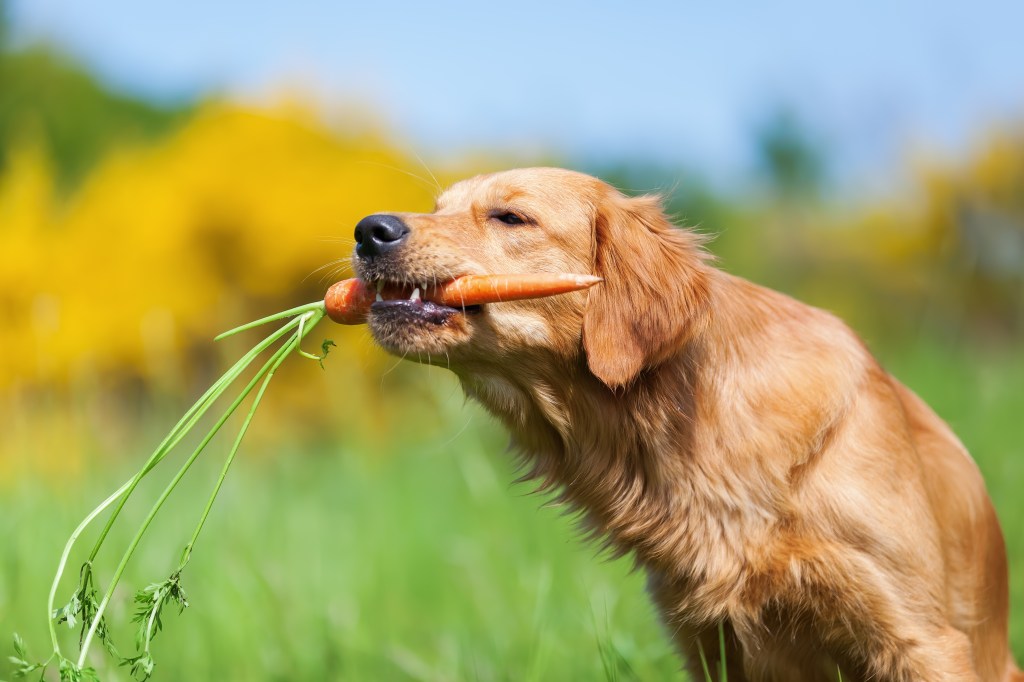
column 762, row 468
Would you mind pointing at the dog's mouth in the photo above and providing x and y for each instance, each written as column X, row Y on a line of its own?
column 405, row 321
column 412, row 302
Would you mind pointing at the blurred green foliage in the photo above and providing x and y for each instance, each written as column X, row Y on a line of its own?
column 45, row 96
column 788, row 156
column 4, row 24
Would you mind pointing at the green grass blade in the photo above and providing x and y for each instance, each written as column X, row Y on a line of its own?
column 704, row 661
column 724, row 672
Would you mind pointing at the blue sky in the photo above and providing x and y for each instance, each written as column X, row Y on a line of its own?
column 682, row 82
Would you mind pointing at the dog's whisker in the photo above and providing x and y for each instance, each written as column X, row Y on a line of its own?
column 392, row 368
column 334, row 274
column 453, row 438
column 345, row 242
column 331, row 264
column 412, row 175
column 431, row 173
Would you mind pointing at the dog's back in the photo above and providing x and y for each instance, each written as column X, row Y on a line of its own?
column 977, row 594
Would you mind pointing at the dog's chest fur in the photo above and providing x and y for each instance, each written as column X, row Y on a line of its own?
column 651, row 478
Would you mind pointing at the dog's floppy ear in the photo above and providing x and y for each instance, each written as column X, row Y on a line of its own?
column 655, row 290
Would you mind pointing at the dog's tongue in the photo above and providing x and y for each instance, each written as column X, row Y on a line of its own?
column 349, row 301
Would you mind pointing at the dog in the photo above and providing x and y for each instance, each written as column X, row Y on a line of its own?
column 780, row 490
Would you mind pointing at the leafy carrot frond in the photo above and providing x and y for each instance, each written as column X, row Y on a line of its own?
column 86, row 609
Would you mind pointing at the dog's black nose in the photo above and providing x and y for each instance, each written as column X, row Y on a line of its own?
column 379, row 233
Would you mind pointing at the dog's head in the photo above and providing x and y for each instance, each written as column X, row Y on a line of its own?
column 537, row 220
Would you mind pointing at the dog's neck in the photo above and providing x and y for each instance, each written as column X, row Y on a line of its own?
column 611, row 454
column 645, row 463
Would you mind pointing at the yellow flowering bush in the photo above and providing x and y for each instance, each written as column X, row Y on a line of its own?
column 161, row 247
column 117, row 290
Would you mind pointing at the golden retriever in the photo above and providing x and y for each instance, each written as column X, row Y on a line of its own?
column 765, row 472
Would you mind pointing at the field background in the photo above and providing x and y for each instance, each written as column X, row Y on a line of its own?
column 371, row 529
column 416, row 559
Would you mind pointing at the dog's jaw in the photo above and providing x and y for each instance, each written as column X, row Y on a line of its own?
column 401, row 321
column 417, row 330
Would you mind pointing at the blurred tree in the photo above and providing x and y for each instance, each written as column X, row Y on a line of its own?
column 3, row 24
column 975, row 220
column 788, row 155
column 48, row 99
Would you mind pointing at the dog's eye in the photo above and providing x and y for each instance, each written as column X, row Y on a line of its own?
column 509, row 218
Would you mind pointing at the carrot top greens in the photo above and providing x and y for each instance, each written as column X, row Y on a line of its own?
column 86, row 609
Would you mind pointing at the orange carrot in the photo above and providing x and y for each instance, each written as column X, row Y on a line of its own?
column 476, row 289
column 348, row 301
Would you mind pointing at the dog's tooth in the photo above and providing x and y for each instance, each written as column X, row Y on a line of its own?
column 415, row 294
column 379, row 297
column 380, row 286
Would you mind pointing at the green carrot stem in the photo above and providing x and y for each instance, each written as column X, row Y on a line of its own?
column 315, row 315
column 186, row 423
column 64, row 560
column 171, row 440
column 270, row 318
column 173, row 437
column 187, row 553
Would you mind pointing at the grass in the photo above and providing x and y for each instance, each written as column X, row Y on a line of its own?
column 333, row 565
column 417, row 561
